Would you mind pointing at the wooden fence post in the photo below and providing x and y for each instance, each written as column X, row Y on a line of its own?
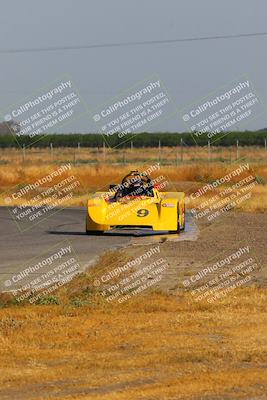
column 23, row 153
column 159, row 156
column 104, row 151
column 181, row 149
column 237, row 150
column 51, row 150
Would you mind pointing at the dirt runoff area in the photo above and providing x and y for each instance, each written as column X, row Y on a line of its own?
column 229, row 252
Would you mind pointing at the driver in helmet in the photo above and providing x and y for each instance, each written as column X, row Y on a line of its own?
column 135, row 184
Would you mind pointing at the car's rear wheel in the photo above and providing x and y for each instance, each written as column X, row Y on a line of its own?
column 178, row 222
column 182, row 228
column 178, row 230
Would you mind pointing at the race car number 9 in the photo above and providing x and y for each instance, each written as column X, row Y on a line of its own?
column 142, row 212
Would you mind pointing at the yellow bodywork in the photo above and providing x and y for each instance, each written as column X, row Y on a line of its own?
column 165, row 211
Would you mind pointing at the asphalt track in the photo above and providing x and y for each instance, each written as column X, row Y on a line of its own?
column 18, row 250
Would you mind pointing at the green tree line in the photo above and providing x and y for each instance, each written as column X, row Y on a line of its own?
column 245, row 138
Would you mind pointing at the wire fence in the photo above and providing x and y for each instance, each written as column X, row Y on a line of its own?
column 176, row 155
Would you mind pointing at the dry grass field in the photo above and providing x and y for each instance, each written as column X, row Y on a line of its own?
column 155, row 346
column 97, row 168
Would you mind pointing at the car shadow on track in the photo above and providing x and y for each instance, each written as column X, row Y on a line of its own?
column 66, row 233
column 108, row 234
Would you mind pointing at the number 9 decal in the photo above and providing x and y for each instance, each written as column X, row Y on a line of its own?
column 142, row 212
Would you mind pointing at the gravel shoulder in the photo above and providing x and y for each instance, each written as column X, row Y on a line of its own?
column 215, row 241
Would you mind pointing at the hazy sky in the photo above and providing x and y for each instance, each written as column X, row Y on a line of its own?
column 189, row 70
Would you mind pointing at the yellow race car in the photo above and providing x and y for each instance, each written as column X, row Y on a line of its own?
column 135, row 203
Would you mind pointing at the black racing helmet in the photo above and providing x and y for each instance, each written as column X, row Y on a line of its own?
column 136, row 178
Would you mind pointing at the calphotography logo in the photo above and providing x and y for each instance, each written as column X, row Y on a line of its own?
column 44, row 274
column 124, row 282
column 234, row 190
column 50, row 108
column 36, row 201
column 220, row 278
column 228, row 108
column 129, row 114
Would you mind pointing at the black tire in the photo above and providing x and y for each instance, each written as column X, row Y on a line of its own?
column 178, row 230
column 183, row 228
column 94, row 233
